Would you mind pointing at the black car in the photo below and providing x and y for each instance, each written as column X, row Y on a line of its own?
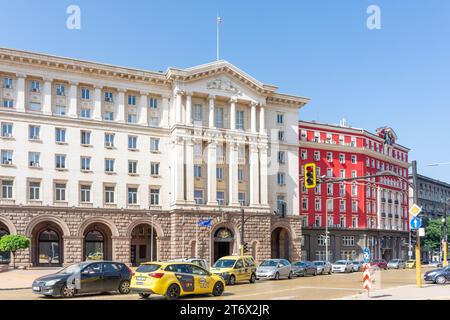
column 304, row 268
column 85, row 277
column 439, row 276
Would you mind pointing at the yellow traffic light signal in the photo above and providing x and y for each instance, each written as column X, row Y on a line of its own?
column 310, row 178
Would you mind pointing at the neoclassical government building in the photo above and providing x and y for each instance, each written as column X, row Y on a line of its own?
column 102, row 161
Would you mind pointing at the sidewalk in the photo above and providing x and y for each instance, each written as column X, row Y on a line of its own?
column 22, row 279
column 409, row 292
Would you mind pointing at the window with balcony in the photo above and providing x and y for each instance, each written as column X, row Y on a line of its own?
column 60, row 110
column 281, row 205
column 241, row 198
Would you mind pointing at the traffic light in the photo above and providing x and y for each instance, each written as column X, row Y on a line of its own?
column 414, row 234
column 310, row 178
column 245, row 247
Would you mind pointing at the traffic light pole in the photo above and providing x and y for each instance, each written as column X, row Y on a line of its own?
column 445, row 262
column 416, row 200
column 242, row 231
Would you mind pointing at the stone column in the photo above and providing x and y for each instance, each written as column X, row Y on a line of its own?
column 73, row 100
column 190, row 171
column 47, row 97
column 233, row 182
column 233, row 102
column 97, row 114
column 253, row 117
column 120, row 106
column 211, row 121
column 262, row 126
column 254, row 176
column 73, row 250
column 178, row 107
column 178, row 159
column 20, row 93
column 165, row 111
column 188, row 108
column 264, row 175
column 378, row 207
column 121, row 251
column 212, row 178
column 143, row 109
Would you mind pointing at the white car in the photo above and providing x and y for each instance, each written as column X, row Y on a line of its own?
column 342, row 266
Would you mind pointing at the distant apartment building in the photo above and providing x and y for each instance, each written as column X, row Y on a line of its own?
column 369, row 213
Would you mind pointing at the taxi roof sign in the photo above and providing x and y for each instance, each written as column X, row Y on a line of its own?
column 415, row 210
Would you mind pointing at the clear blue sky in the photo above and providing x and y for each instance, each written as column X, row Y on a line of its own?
column 397, row 76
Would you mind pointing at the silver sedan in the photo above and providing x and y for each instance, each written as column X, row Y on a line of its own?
column 274, row 269
column 323, row 267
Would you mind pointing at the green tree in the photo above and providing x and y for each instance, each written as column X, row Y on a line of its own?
column 13, row 243
column 434, row 233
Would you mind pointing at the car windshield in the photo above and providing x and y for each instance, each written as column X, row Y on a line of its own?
column 298, row 264
column 410, row 261
column 394, row 260
column 73, row 268
column 225, row 263
column 147, row 268
column 341, row 262
column 356, row 262
column 269, row 263
column 318, row 263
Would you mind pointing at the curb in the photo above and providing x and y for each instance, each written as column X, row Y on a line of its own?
column 13, row 289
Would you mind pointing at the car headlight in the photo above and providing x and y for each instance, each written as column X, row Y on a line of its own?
column 51, row 283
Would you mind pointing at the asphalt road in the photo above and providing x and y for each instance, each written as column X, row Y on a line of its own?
column 324, row 287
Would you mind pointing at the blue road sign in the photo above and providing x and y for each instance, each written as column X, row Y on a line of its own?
column 366, row 256
column 416, row 223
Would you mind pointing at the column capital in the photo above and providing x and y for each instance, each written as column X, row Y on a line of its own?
column 211, row 97
column 21, row 75
column 177, row 91
column 98, row 86
column 48, row 79
column 254, row 103
column 188, row 93
column 121, row 90
column 233, row 100
column 144, row 93
column 74, row 83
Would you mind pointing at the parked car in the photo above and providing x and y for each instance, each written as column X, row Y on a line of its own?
column 379, row 263
column 200, row 262
column 435, row 264
column 235, row 268
column 410, row 264
column 357, row 265
column 396, row 264
column 274, row 269
column 85, row 277
column 342, row 266
column 323, row 267
column 439, row 276
column 304, row 268
column 175, row 279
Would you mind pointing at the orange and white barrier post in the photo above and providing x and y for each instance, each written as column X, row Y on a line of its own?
column 367, row 282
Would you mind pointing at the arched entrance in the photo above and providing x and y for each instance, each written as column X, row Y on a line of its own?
column 5, row 257
column 47, row 249
column 223, row 243
column 280, row 244
column 143, row 244
column 97, row 242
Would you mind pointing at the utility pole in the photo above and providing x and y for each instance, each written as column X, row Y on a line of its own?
column 445, row 263
column 242, row 231
column 416, row 200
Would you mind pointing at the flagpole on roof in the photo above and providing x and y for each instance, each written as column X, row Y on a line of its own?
column 218, row 21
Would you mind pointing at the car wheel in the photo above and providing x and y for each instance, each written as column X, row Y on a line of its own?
column 277, row 276
column 67, row 292
column 124, row 287
column 290, row 275
column 218, row 289
column 173, row 292
column 253, row 278
column 441, row 280
column 315, row 273
column 232, row 280
column 144, row 295
column 329, row 272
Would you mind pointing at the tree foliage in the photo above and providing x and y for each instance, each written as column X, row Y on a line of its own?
column 434, row 233
column 13, row 243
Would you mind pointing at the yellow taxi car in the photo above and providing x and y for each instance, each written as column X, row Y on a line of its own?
column 175, row 279
column 235, row 268
column 410, row 264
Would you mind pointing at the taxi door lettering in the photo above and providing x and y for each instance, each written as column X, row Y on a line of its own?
column 186, row 282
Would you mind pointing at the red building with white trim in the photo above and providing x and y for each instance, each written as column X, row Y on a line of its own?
column 364, row 213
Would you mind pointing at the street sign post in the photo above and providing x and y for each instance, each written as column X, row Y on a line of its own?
column 415, row 223
column 366, row 256
column 415, row 210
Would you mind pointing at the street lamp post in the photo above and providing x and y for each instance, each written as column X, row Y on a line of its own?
column 444, row 262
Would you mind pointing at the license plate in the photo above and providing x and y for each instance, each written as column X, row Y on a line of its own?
column 140, row 279
column 139, row 283
column 36, row 288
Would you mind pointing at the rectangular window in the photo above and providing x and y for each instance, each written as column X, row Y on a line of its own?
column 241, row 154
column 154, row 197
column 281, row 157
column 354, row 222
column 330, row 207
column 219, row 117
column 34, row 106
column 108, row 96
column 85, row 138
column 342, row 158
column 132, row 166
column 109, row 140
column 281, row 205
column 132, row 100
column 240, row 120
column 60, row 192
column 153, row 103
column 85, row 113
column 154, row 144
column 198, row 196
column 60, row 110
column 280, row 118
column 305, row 203
column 60, row 161
column 304, row 155
column 154, row 168
column 219, row 173
column 132, row 195
column 354, row 159
column 342, row 206
column 348, row 241
column 132, row 118
column 7, row 157
column 329, row 156
column 318, row 221
column 7, row 83
column 85, row 94
column 35, row 86
column 7, row 189
column 108, row 116
column 354, row 206
column 281, row 135
column 241, row 198
column 109, row 194
column 354, row 190
column 109, row 165
column 281, row 178
column 34, row 189
column 316, row 155
column 197, row 171
column 318, row 205
column 241, row 175
column 34, row 159
column 198, row 150
column 342, row 173
column 60, row 135
column 7, row 103
column 7, row 129
column 85, row 193
column 60, row 90
column 198, row 113
column 220, row 198
column 132, row 142
column 330, row 189
column 85, row 163
column 34, row 132
column 343, row 222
